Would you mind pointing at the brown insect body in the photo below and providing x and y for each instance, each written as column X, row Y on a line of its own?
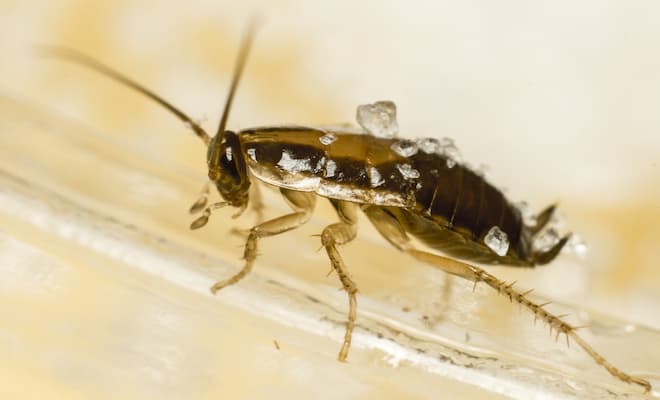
column 443, row 203
column 404, row 187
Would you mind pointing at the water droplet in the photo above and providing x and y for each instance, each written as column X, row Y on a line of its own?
column 545, row 239
column 404, row 148
column 330, row 168
column 407, row 171
column 428, row 145
column 497, row 240
column 376, row 179
column 328, row 138
column 378, row 119
column 528, row 216
column 294, row 165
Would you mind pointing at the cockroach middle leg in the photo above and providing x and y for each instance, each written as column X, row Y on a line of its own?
column 301, row 202
column 338, row 234
column 388, row 226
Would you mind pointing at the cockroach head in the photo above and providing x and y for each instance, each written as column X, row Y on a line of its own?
column 227, row 169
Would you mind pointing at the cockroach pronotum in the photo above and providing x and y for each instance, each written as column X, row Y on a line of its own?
column 405, row 187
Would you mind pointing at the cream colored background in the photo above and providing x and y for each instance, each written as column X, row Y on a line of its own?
column 559, row 99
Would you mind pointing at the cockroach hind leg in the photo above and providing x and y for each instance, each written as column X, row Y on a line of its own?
column 473, row 273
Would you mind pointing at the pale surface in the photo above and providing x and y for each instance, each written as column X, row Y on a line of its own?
column 104, row 290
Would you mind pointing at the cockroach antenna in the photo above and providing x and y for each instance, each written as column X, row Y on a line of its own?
column 65, row 53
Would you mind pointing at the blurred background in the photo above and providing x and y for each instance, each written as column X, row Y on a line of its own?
column 559, row 100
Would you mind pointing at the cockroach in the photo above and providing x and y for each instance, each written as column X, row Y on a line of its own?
column 405, row 187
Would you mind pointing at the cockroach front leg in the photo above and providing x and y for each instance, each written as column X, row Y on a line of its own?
column 339, row 234
column 256, row 201
column 301, row 202
column 388, row 226
column 256, row 205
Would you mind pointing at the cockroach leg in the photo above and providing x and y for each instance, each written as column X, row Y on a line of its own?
column 244, row 233
column 257, row 202
column 202, row 199
column 476, row 274
column 388, row 226
column 204, row 218
column 301, row 202
column 339, row 234
column 256, row 205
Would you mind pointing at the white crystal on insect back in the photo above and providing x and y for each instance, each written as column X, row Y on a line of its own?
column 330, row 168
column 428, row 145
column 252, row 153
column 444, row 147
column 328, row 138
column 407, row 171
column 378, row 119
column 482, row 170
column 404, row 148
column 375, row 177
column 294, row 165
column 497, row 240
column 449, row 150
